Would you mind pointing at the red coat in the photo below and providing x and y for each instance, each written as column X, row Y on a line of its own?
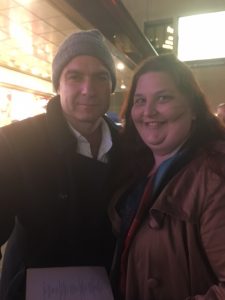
column 179, row 251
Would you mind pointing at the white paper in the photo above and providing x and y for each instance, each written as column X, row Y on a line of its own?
column 68, row 283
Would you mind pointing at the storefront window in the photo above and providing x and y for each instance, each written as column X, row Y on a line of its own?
column 17, row 105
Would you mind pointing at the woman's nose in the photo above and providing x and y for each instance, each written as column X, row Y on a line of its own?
column 150, row 109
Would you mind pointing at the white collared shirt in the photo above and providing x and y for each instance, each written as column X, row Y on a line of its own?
column 83, row 146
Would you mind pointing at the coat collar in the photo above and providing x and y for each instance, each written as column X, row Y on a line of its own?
column 59, row 130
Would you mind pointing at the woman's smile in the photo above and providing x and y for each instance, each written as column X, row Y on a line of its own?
column 161, row 113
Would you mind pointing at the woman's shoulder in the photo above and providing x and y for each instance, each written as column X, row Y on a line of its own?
column 211, row 158
column 216, row 153
column 219, row 146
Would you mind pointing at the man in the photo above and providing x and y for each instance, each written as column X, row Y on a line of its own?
column 220, row 112
column 55, row 170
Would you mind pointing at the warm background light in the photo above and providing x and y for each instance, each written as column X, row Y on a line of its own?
column 201, row 36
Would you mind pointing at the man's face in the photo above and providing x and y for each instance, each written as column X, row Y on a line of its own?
column 84, row 87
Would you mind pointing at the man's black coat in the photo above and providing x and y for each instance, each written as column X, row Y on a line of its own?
column 53, row 201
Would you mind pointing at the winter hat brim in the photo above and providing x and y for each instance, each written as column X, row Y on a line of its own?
column 87, row 42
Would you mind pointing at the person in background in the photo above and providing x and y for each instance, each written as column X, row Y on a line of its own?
column 168, row 210
column 56, row 169
column 220, row 112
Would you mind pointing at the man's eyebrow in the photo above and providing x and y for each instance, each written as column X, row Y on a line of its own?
column 78, row 72
column 101, row 72
column 73, row 71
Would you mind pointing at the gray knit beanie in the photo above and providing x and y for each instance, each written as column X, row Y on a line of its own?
column 87, row 42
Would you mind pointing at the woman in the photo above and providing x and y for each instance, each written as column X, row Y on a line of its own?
column 169, row 208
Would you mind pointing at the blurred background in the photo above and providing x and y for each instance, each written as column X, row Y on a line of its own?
column 31, row 31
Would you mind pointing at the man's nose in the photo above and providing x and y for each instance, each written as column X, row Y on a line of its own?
column 87, row 87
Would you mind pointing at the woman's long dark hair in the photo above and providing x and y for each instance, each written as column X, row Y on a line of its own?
column 137, row 157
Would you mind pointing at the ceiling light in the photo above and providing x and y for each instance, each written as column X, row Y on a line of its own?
column 120, row 66
column 169, row 42
column 165, row 46
column 170, row 29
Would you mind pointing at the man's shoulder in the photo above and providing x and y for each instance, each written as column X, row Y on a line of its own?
column 25, row 123
column 24, row 129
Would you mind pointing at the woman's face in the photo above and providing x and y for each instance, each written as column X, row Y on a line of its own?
column 161, row 114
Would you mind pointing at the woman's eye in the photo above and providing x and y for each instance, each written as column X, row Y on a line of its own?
column 164, row 98
column 139, row 101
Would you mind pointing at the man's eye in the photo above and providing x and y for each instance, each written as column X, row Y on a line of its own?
column 103, row 77
column 75, row 77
